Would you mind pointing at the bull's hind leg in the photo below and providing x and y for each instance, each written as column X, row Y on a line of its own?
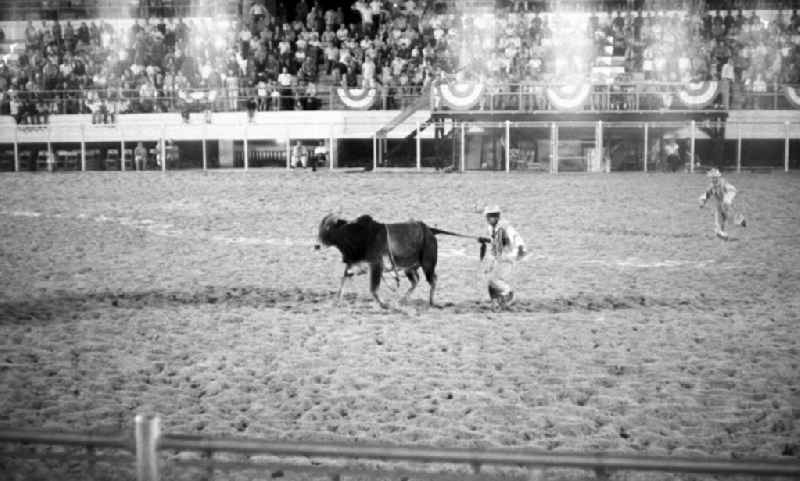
column 430, row 276
column 375, row 273
column 413, row 277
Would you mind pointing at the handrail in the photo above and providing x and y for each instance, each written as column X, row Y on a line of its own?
column 475, row 458
column 118, row 440
column 484, row 457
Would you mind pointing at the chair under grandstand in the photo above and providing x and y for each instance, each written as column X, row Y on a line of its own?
column 72, row 162
column 112, row 160
column 128, row 158
column 7, row 161
column 44, row 161
column 153, row 159
column 25, row 162
column 66, row 160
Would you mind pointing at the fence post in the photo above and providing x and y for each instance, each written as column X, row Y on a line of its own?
column 463, row 162
column 148, row 432
column 419, row 148
column 786, row 147
column 646, row 142
column 374, row 151
column 163, row 148
column 83, row 148
column 739, row 148
column 205, row 157
column 691, row 147
column 16, row 148
column 245, row 150
column 508, row 146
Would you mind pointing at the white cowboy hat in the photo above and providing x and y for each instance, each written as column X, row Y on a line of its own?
column 491, row 209
column 714, row 173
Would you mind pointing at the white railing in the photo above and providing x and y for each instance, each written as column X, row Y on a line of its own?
column 148, row 442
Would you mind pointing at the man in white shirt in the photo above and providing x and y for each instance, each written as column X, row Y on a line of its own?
column 726, row 81
column 507, row 248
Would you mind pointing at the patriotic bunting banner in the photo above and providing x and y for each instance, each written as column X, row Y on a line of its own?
column 568, row 97
column 792, row 94
column 699, row 94
column 359, row 99
column 461, row 95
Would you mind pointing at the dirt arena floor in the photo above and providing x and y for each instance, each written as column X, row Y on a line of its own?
column 200, row 297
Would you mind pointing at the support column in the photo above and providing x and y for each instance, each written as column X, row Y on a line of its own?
column 646, row 149
column 374, row 151
column 289, row 153
column 121, row 150
column 246, row 150
column 691, row 146
column 16, row 148
column 419, row 148
column 331, row 162
column 463, row 163
column 508, row 146
column 553, row 148
column 205, row 154
column 83, row 148
column 786, row 148
column 599, row 144
column 50, row 156
column 738, row 148
column 163, row 148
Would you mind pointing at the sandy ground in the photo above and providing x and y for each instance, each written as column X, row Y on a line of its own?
column 199, row 297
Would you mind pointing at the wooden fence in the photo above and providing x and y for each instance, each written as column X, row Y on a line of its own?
column 148, row 446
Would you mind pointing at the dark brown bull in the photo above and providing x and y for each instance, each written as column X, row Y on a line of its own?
column 405, row 246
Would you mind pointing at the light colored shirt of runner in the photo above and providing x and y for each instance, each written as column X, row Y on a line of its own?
column 506, row 241
column 720, row 193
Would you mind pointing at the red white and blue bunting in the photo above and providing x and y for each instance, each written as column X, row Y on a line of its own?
column 699, row 94
column 359, row 99
column 792, row 94
column 461, row 95
column 569, row 96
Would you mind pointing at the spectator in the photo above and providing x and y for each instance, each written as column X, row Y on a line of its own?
column 726, row 80
column 298, row 155
column 140, row 157
column 285, row 81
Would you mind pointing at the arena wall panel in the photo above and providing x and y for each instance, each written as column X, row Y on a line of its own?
column 763, row 124
column 223, row 126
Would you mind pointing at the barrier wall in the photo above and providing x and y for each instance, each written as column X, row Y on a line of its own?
column 748, row 139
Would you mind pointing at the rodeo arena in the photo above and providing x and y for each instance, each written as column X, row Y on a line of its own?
column 542, row 240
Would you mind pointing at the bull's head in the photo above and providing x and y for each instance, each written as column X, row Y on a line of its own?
column 329, row 223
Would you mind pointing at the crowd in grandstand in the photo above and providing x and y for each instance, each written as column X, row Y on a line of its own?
column 277, row 60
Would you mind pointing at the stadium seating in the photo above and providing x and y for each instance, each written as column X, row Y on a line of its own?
column 168, row 64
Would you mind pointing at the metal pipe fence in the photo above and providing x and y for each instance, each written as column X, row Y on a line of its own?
column 151, row 449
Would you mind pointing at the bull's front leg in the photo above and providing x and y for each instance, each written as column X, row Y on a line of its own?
column 347, row 275
column 375, row 273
